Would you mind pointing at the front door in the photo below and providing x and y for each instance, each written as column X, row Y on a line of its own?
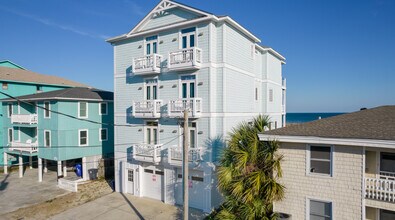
column 130, row 181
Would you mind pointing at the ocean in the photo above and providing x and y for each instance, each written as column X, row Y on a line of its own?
column 306, row 117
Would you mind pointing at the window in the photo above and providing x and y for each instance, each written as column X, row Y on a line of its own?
column 387, row 214
column 188, row 86
column 10, row 135
column 83, row 137
column 387, row 162
column 151, row 89
column 320, row 160
column 270, row 95
column 5, row 86
column 39, row 88
column 9, row 110
column 47, row 138
column 151, row 45
column 103, row 108
column 256, row 93
column 47, row 110
column 188, row 38
column 103, row 134
column 197, row 178
column 83, row 110
column 151, row 132
column 320, row 210
column 130, row 175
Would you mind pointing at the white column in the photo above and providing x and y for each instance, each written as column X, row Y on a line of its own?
column 45, row 166
column 20, row 166
column 84, row 171
column 40, row 170
column 30, row 162
column 59, row 168
column 64, row 168
column 5, row 158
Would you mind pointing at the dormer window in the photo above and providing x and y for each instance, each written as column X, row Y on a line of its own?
column 151, row 45
column 188, row 37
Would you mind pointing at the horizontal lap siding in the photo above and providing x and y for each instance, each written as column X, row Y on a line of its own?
column 238, row 50
column 239, row 92
column 169, row 17
column 343, row 189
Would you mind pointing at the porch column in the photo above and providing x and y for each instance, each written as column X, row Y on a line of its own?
column 40, row 170
column 30, row 162
column 64, row 168
column 59, row 168
column 45, row 166
column 5, row 158
column 20, row 166
column 84, row 171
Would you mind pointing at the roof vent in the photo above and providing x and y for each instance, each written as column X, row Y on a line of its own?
column 362, row 109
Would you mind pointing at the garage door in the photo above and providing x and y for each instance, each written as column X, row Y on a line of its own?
column 152, row 182
column 196, row 188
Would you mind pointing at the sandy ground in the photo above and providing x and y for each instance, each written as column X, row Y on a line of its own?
column 86, row 193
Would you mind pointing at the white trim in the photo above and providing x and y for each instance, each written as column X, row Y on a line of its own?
column 49, row 109
column 8, row 109
column 8, row 135
column 152, row 41
column 19, row 108
column 272, row 51
column 79, row 137
column 62, row 98
column 87, row 115
column 308, row 160
column 100, row 108
column 180, row 81
column 145, row 126
column 363, row 217
column 240, row 28
column 330, row 141
column 217, row 114
column 50, row 138
column 180, row 35
column 154, row 84
column 100, row 134
column 308, row 199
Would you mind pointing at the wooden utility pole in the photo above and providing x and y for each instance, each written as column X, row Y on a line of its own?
column 185, row 167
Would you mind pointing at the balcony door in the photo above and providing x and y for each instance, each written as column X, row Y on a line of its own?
column 151, row 133
column 151, row 45
column 188, row 84
column 151, row 89
column 192, row 135
column 188, row 38
column 387, row 165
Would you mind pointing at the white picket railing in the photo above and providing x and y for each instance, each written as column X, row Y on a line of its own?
column 175, row 154
column 24, row 119
column 387, row 175
column 380, row 189
column 147, row 152
column 189, row 58
column 24, row 147
column 147, row 109
column 147, row 64
column 177, row 107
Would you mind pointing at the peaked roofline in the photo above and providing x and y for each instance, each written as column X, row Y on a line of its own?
column 9, row 61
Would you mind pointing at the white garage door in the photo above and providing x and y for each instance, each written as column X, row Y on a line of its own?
column 197, row 195
column 152, row 182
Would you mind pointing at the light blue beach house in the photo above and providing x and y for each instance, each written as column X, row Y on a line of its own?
column 16, row 81
column 179, row 57
column 62, row 127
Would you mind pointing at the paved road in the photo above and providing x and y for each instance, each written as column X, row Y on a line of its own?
column 124, row 206
column 18, row 192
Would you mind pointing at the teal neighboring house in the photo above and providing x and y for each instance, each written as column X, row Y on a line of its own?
column 63, row 127
column 17, row 81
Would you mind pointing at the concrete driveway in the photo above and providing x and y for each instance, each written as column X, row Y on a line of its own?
column 124, row 206
column 18, row 192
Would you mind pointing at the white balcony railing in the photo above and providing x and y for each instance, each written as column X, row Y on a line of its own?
column 24, row 147
column 177, row 107
column 284, row 82
column 146, row 65
column 185, row 59
column 175, row 155
column 147, row 152
column 380, row 189
column 283, row 109
column 24, row 119
column 147, row 109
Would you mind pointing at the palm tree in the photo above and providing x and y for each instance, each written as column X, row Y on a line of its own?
column 248, row 174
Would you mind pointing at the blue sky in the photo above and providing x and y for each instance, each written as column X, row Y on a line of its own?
column 340, row 54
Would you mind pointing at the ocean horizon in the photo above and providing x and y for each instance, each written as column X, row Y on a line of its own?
column 292, row 118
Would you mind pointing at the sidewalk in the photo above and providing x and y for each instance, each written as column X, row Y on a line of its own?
column 124, row 206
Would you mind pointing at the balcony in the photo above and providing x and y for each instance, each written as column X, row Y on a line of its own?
column 147, row 109
column 147, row 152
column 175, row 155
column 176, row 108
column 382, row 189
column 24, row 147
column 27, row 119
column 185, row 59
column 284, row 83
column 147, row 65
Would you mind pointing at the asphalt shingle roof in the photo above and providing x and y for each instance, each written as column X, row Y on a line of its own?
column 19, row 75
column 376, row 123
column 75, row 93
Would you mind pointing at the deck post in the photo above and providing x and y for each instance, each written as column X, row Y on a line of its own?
column 59, row 168
column 84, row 171
column 30, row 162
column 45, row 166
column 20, row 166
column 64, row 168
column 40, row 170
column 5, row 158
